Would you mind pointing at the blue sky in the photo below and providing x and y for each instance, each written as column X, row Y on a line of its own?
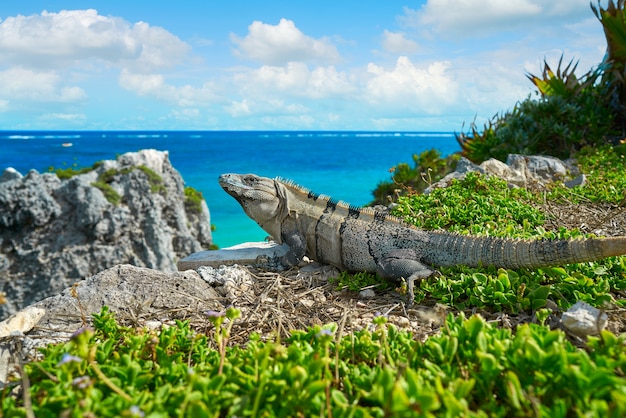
column 432, row 65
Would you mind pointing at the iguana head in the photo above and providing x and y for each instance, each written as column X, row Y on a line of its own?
column 263, row 199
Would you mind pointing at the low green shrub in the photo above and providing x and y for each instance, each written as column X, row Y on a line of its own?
column 110, row 194
column 193, row 200
column 428, row 168
column 470, row 369
column 550, row 125
column 156, row 181
column 73, row 170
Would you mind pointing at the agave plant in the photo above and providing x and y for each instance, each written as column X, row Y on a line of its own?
column 613, row 20
column 564, row 82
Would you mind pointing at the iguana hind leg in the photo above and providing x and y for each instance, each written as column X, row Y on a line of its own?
column 404, row 264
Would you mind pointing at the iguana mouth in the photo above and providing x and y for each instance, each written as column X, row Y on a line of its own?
column 233, row 185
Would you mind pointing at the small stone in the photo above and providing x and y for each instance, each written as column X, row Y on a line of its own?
column 583, row 319
column 153, row 324
column 578, row 181
column 367, row 293
column 21, row 322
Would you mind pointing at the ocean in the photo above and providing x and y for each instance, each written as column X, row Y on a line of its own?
column 345, row 165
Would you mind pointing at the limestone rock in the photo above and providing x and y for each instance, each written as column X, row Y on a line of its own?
column 142, row 295
column 10, row 174
column 55, row 232
column 583, row 319
column 244, row 254
column 518, row 171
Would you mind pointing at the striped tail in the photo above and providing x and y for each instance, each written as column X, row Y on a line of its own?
column 508, row 253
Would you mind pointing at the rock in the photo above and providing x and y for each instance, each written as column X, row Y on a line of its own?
column 581, row 181
column 501, row 170
column 583, row 319
column 21, row 322
column 55, row 232
column 145, row 296
column 10, row 174
column 538, row 168
column 243, row 254
column 231, row 282
column 519, row 171
column 463, row 167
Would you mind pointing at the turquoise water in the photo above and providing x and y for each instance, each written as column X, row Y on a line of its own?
column 345, row 165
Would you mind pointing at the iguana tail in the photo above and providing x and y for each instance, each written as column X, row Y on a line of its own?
column 509, row 253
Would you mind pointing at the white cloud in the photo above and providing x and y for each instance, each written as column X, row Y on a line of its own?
column 297, row 80
column 69, row 37
column 471, row 17
column 38, row 50
column 408, row 87
column 263, row 106
column 70, row 117
column 397, row 43
column 154, row 85
column 23, row 85
column 283, row 43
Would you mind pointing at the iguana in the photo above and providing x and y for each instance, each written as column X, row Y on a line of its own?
column 362, row 239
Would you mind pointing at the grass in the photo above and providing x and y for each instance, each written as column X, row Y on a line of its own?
column 193, row 200
column 73, row 170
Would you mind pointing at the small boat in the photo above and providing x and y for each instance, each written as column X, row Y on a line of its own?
column 67, row 144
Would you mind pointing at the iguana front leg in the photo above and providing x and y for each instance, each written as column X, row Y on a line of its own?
column 404, row 264
column 295, row 252
column 297, row 248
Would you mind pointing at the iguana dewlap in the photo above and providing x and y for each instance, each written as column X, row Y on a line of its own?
column 361, row 239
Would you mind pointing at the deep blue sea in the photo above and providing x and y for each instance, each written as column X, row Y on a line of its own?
column 345, row 165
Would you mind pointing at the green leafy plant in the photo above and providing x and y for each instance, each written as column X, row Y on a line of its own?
column 470, row 369
column 428, row 167
column 477, row 204
column 551, row 125
column 613, row 20
column 156, row 181
column 73, row 170
column 193, row 200
column 110, row 194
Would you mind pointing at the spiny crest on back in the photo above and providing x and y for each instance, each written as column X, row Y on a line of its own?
column 364, row 214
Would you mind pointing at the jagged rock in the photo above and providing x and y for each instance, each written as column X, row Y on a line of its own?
column 10, row 174
column 142, row 295
column 537, row 168
column 518, row 171
column 55, row 232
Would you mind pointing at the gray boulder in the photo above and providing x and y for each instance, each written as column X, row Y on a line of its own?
column 55, row 232
column 518, row 171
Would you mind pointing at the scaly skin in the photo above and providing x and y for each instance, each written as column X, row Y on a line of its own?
column 361, row 239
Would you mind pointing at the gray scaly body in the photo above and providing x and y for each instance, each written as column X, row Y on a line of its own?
column 361, row 239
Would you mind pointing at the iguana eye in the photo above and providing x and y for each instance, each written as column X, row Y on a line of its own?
column 251, row 179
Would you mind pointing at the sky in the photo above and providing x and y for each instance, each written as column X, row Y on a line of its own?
column 434, row 65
